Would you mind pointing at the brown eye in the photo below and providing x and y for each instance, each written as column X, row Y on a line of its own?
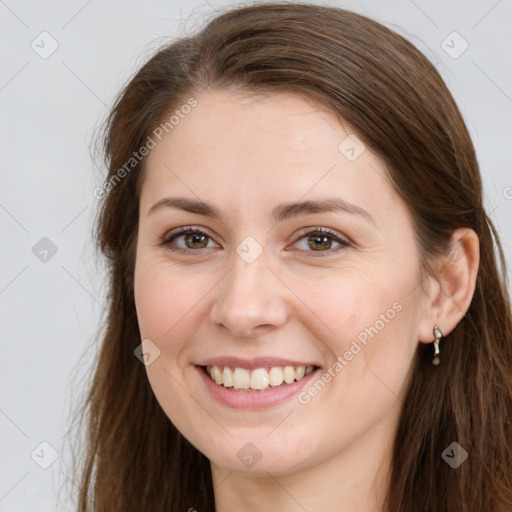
column 196, row 241
column 187, row 240
column 321, row 241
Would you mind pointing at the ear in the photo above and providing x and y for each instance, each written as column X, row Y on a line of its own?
column 451, row 285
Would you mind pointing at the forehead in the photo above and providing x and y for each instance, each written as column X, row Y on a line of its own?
column 279, row 123
column 254, row 148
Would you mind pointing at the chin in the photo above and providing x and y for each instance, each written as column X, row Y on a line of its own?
column 260, row 456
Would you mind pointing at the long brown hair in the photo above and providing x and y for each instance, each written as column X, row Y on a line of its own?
column 392, row 97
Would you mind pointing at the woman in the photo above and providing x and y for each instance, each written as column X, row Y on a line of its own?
column 300, row 257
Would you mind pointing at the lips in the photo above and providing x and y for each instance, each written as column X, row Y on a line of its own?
column 252, row 399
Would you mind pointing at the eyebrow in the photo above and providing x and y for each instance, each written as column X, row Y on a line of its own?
column 280, row 213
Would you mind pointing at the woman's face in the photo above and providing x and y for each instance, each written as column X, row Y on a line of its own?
column 259, row 288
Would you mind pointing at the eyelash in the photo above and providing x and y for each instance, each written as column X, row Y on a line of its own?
column 170, row 237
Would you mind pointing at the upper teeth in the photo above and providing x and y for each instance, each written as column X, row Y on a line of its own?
column 259, row 379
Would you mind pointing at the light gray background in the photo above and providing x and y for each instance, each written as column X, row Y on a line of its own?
column 50, row 311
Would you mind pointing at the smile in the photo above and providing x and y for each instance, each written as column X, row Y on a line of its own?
column 258, row 379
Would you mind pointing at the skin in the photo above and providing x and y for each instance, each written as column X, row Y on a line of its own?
column 246, row 155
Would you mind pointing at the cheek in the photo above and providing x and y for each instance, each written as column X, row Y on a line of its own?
column 350, row 308
column 165, row 299
column 367, row 329
column 167, row 312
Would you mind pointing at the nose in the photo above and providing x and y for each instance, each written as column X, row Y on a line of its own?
column 251, row 300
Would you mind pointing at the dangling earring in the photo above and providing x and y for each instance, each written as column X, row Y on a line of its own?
column 438, row 334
